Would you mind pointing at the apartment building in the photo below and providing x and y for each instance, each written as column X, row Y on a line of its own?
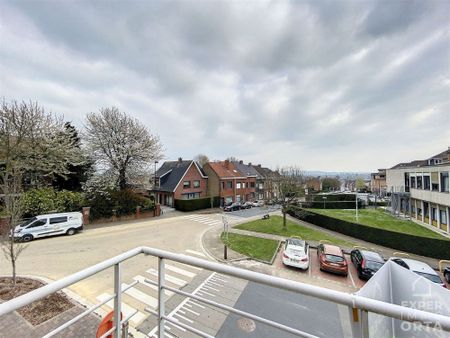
column 378, row 182
column 421, row 189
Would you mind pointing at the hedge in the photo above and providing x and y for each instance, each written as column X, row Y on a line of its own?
column 333, row 201
column 196, row 204
column 430, row 247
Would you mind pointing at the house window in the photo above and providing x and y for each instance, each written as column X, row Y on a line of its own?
column 443, row 215
column 223, row 184
column 229, row 184
column 238, row 185
column 419, row 182
column 434, row 214
column 196, row 184
column 238, row 198
column 191, row 196
column 260, row 186
column 426, row 182
column 186, row 184
column 444, row 182
column 252, row 184
column 413, row 182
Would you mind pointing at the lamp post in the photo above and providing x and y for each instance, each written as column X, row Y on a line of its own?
column 356, row 206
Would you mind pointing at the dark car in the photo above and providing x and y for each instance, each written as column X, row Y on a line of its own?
column 447, row 274
column 332, row 259
column 232, row 207
column 366, row 262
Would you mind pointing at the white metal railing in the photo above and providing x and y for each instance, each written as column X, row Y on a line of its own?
column 358, row 306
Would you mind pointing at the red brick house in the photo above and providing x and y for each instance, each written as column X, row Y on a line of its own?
column 182, row 179
column 227, row 182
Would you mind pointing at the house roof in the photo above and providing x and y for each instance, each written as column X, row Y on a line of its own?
column 172, row 172
column 266, row 172
column 247, row 170
column 422, row 163
column 225, row 169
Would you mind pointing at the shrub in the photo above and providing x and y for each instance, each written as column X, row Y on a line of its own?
column 196, row 204
column 69, row 201
column 125, row 201
column 430, row 247
column 333, row 201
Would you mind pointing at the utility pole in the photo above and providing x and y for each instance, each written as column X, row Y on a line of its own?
column 356, row 206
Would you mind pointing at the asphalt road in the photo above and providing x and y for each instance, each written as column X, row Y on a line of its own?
column 289, row 308
column 245, row 213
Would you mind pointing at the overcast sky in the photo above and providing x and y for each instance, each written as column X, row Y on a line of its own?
column 339, row 85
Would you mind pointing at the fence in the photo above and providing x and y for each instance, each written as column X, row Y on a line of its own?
column 358, row 306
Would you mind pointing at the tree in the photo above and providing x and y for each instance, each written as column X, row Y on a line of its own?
column 360, row 184
column 330, row 184
column 34, row 149
column 121, row 144
column 289, row 185
column 232, row 159
column 201, row 159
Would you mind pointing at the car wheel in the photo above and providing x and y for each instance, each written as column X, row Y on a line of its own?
column 27, row 238
column 70, row 232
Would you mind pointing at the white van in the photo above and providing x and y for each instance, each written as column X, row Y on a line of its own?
column 49, row 225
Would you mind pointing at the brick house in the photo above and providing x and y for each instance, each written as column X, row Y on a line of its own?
column 270, row 180
column 227, row 182
column 182, row 179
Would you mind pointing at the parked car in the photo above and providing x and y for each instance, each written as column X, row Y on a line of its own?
column 258, row 203
column 49, row 225
column 246, row 205
column 232, row 207
column 420, row 268
column 332, row 259
column 447, row 274
column 296, row 253
column 366, row 262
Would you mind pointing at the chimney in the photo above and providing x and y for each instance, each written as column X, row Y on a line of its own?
column 227, row 164
column 259, row 165
column 180, row 159
column 241, row 162
column 249, row 164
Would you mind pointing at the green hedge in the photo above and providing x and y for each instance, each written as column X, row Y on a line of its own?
column 430, row 247
column 333, row 201
column 196, row 204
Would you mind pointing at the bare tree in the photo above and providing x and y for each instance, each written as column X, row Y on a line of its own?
column 34, row 146
column 201, row 159
column 289, row 188
column 120, row 143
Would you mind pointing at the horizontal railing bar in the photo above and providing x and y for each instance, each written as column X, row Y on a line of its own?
column 107, row 333
column 242, row 313
column 53, row 287
column 187, row 327
column 368, row 304
column 77, row 318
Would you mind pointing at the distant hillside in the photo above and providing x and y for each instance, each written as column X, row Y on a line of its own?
column 341, row 174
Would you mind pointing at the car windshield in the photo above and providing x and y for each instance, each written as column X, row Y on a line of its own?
column 31, row 220
column 429, row 276
column 372, row 265
column 334, row 259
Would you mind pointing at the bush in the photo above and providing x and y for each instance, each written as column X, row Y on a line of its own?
column 196, row 204
column 125, row 201
column 46, row 200
column 430, row 247
column 336, row 201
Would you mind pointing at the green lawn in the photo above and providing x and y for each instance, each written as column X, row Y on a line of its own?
column 274, row 225
column 378, row 218
column 254, row 247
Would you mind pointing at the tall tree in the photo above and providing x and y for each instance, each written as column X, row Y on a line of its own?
column 360, row 184
column 290, row 186
column 121, row 144
column 34, row 148
column 331, row 184
column 201, row 159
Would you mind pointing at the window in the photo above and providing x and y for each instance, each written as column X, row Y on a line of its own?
column 196, row 184
column 186, row 184
column 238, row 185
column 260, row 186
column 419, row 182
column 444, row 182
column 191, row 196
column 426, row 182
column 413, row 182
column 223, row 184
column 238, row 198
column 38, row 223
column 229, row 184
column 443, row 215
column 252, row 184
column 56, row 220
column 434, row 214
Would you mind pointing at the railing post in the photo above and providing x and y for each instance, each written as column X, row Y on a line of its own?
column 364, row 324
column 117, row 300
column 161, row 307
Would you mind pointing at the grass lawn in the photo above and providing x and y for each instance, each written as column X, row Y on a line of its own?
column 274, row 225
column 254, row 247
column 378, row 218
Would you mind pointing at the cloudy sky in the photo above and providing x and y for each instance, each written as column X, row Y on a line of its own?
column 325, row 85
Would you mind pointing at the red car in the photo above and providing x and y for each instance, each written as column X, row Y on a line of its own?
column 332, row 259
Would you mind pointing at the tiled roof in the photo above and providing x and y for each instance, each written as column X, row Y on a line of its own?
column 225, row 169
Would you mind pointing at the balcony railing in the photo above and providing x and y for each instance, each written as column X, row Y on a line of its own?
column 358, row 306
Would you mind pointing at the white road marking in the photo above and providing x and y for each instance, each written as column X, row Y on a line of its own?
column 177, row 326
column 201, row 292
column 195, row 313
column 141, row 296
column 180, row 271
column 351, row 278
column 216, row 284
column 141, row 280
column 195, row 253
column 218, row 279
column 169, row 278
column 194, row 303
column 210, row 288
column 126, row 309
column 183, row 317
